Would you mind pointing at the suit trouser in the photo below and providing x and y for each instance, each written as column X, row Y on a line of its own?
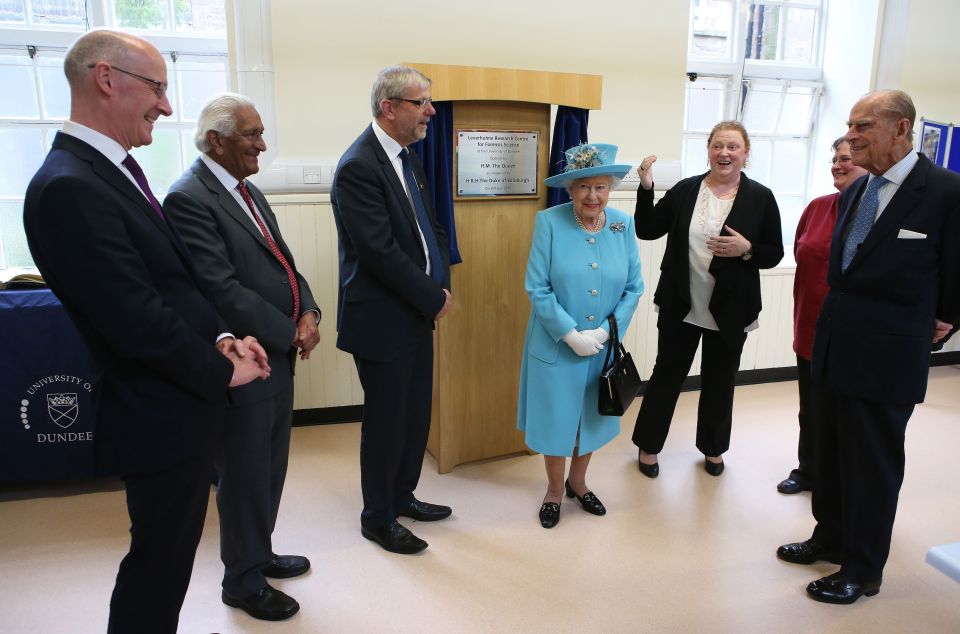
column 677, row 343
column 860, row 464
column 397, row 396
column 167, row 511
column 252, row 463
column 805, row 456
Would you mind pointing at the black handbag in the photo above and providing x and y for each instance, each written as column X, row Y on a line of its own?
column 619, row 382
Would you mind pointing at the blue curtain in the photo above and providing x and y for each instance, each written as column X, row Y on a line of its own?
column 569, row 129
column 436, row 154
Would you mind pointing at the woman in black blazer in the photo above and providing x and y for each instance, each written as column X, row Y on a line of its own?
column 721, row 228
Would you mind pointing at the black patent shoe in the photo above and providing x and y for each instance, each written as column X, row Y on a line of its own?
column 840, row 589
column 589, row 501
column 549, row 514
column 713, row 468
column 808, row 552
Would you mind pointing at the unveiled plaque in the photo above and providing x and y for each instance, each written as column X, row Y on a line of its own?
column 497, row 163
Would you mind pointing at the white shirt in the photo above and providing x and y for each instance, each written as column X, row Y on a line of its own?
column 393, row 149
column 230, row 182
column 708, row 219
column 895, row 175
column 112, row 150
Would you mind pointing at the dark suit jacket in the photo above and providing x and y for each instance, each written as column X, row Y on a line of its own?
column 874, row 332
column 385, row 294
column 125, row 279
column 735, row 302
column 238, row 272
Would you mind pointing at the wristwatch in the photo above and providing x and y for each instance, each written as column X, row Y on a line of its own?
column 747, row 255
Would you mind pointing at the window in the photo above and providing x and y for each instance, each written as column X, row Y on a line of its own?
column 34, row 37
column 757, row 61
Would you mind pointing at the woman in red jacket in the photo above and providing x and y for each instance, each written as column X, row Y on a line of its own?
column 811, row 249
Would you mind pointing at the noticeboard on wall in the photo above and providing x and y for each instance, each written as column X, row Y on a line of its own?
column 933, row 141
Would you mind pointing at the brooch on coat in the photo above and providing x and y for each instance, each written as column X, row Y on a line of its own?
column 617, row 227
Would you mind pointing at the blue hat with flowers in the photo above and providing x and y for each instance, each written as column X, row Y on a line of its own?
column 586, row 160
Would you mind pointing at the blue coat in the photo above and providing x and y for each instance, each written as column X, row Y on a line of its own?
column 574, row 280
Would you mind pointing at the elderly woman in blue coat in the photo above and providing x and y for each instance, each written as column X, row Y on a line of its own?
column 584, row 266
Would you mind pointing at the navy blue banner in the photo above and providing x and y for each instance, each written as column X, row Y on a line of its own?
column 46, row 391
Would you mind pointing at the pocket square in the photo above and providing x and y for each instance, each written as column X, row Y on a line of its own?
column 906, row 234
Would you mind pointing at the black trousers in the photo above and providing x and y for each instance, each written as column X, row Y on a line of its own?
column 677, row 343
column 167, row 511
column 397, row 397
column 860, row 462
column 805, row 468
column 252, row 463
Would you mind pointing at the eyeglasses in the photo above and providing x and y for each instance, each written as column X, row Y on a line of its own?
column 251, row 135
column 419, row 103
column 842, row 159
column 159, row 87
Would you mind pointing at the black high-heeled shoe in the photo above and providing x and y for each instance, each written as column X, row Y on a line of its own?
column 589, row 501
column 649, row 470
column 713, row 468
column 549, row 514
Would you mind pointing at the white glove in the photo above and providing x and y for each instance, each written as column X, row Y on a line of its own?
column 598, row 334
column 583, row 345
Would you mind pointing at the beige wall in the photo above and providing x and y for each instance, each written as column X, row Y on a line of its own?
column 930, row 72
column 326, row 55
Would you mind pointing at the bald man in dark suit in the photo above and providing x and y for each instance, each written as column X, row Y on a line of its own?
column 99, row 238
column 894, row 279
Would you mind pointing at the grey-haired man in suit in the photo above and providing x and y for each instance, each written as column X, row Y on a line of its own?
column 249, row 274
column 394, row 283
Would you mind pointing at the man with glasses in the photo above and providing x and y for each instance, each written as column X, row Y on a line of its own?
column 99, row 237
column 394, row 283
column 246, row 269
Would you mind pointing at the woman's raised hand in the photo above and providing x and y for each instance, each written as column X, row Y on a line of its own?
column 645, row 171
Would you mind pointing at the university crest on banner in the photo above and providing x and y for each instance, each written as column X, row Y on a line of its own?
column 63, row 408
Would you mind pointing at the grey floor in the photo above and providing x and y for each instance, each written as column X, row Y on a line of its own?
column 684, row 553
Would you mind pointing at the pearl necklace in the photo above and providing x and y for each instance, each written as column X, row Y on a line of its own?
column 596, row 224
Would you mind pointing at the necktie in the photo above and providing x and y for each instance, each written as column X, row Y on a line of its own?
column 134, row 168
column 426, row 227
column 291, row 276
column 863, row 221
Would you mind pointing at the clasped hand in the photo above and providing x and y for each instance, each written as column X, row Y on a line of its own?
column 248, row 357
column 585, row 343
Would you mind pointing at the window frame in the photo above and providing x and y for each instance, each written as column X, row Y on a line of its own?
column 176, row 47
column 739, row 71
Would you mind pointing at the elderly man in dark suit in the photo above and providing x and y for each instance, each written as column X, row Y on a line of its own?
column 124, row 276
column 894, row 278
column 394, row 282
column 248, row 272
